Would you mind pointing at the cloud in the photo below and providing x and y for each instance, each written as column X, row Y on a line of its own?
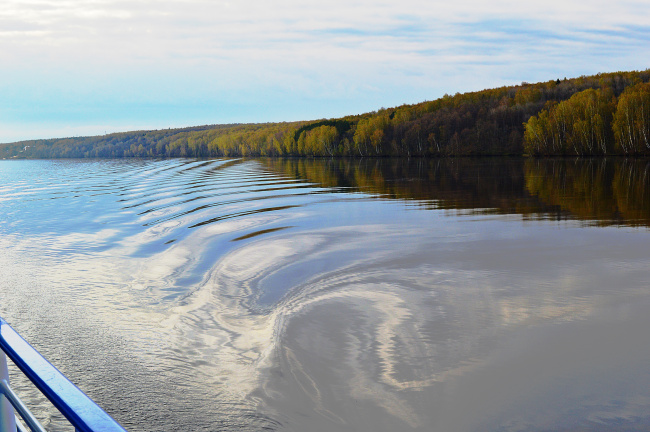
column 266, row 61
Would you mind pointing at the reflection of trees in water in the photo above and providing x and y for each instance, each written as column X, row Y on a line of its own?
column 603, row 191
column 439, row 183
column 600, row 190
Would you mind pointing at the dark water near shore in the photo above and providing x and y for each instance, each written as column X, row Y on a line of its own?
column 334, row 295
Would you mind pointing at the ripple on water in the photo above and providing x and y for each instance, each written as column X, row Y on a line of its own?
column 233, row 295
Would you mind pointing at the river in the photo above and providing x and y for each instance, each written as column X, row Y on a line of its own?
column 335, row 295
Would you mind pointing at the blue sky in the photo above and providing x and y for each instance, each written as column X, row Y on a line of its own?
column 86, row 67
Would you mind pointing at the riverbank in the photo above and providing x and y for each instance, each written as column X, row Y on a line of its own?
column 604, row 114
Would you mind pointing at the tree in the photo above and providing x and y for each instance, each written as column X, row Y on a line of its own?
column 580, row 125
column 632, row 120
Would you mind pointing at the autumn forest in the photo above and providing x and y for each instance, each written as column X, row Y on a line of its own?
column 604, row 114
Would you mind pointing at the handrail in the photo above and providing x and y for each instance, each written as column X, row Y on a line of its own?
column 19, row 406
column 81, row 411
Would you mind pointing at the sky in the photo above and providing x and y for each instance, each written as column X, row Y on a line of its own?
column 89, row 67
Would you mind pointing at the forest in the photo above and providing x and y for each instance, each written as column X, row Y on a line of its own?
column 604, row 114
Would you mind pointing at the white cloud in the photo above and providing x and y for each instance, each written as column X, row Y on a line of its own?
column 355, row 54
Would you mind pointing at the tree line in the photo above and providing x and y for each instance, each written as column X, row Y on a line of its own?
column 593, row 122
column 590, row 115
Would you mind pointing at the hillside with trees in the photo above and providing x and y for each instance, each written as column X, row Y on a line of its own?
column 604, row 114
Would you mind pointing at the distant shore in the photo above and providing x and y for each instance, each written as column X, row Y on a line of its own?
column 600, row 115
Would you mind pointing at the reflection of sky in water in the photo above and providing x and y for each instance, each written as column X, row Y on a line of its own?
column 227, row 296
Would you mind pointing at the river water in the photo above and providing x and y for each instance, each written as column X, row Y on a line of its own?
column 332, row 295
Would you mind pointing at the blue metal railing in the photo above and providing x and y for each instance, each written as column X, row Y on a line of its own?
column 84, row 414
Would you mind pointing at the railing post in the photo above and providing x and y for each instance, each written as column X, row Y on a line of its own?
column 7, row 415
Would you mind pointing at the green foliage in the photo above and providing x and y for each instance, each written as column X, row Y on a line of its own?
column 632, row 120
column 580, row 125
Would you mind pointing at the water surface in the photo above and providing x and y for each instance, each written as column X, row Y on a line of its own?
column 333, row 295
